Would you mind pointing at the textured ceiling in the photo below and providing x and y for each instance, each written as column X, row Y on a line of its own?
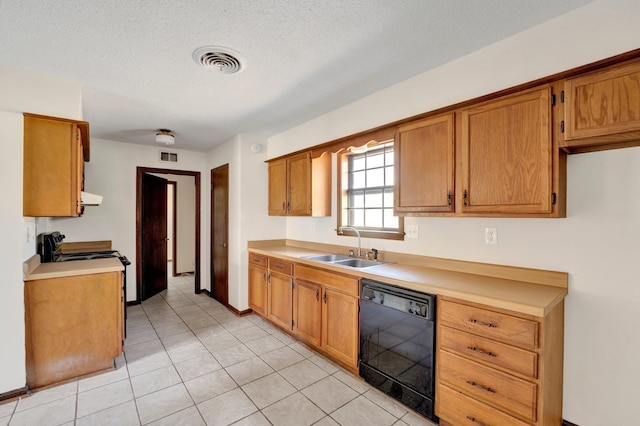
column 304, row 58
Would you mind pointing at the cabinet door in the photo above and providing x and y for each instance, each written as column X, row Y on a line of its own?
column 307, row 311
column 280, row 299
column 299, row 183
column 340, row 326
column 278, row 188
column 52, row 161
column 506, row 155
column 258, row 290
column 424, row 166
column 603, row 107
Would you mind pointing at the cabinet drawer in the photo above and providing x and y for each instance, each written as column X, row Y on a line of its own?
column 330, row 279
column 506, row 328
column 281, row 266
column 257, row 260
column 498, row 389
column 486, row 350
column 461, row 410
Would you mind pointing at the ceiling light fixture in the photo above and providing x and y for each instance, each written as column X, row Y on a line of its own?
column 165, row 136
column 220, row 59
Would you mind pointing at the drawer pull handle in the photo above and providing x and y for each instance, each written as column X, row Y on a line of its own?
column 474, row 349
column 257, row 261
column 279, row 266
column 486, row 324
column 478, row 422
column 478, row 385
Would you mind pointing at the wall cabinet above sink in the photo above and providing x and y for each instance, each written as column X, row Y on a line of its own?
column 300, row 185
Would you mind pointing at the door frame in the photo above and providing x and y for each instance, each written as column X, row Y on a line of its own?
column 174, row 203
column 139, row 172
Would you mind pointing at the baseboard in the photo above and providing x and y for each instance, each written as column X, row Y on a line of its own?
column 228, row 306
column 568, row 423
column 14, row 393
column 133, row 302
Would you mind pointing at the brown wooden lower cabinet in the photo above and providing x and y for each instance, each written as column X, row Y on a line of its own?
column 318, row 306
column 74, row 326
column 497, row 367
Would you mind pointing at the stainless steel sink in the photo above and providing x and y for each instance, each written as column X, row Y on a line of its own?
column 327, row 257
column 342, row 260
column 358, row 263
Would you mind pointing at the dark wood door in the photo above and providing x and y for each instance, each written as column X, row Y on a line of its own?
column 154, row 235
column 220, row 233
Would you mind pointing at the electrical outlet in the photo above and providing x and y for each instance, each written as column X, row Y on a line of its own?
column 491, row 235
column 411, row 231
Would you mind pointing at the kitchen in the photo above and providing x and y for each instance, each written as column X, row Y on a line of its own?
column 596, row 244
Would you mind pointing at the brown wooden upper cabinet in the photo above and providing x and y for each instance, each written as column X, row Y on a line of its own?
column 425, row 166
column 300, row 186
column 507, row 156
column 55, row 150
column 602, row 109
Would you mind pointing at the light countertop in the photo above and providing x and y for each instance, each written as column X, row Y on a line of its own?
column 34, row 270
column 523, row 291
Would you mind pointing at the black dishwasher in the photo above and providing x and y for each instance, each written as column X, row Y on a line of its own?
column 397, row 343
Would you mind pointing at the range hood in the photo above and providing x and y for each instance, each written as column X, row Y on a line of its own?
column 88, row 199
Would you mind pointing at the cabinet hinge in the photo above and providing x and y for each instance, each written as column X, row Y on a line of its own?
column 553, row 99
column 562, row 126
column 553, row 198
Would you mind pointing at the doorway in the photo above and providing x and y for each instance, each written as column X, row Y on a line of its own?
column 144, row 220
column 220, row 234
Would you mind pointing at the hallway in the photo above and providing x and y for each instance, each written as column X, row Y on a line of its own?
column 190, row 361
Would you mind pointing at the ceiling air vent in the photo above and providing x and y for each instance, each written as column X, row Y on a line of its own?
column 168, row 157
column 220, row 59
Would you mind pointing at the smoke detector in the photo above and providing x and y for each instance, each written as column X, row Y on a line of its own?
column 165, row 136
column 220, row 59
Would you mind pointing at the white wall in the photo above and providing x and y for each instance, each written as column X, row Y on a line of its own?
column 597, row 244
column 112, row 174
column 21, row 92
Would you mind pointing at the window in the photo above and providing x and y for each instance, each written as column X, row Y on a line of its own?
column 366, row 192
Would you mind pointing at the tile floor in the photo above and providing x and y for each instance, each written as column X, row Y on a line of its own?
column 190, row 361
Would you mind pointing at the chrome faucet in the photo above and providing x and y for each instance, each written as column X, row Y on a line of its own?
column 341, row 231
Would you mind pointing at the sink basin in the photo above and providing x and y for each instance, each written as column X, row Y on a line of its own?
column 358, row 263
column 327, row 257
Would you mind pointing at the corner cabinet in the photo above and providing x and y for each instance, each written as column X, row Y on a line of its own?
column 425, row 166
column 498, row 367
column 507, row 157
column 602, row 109
column 55, row 150
column 300, row 185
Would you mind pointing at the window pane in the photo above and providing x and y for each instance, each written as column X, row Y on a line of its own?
column 388, row 198
column 388, row 176
column 358, row 163
column 356, row 217
column 373, row 199
column 373, row 218
column 390, row 221
column 357, row 180
column 388, row 157
column 357, row 200
column 375, row 178
column 375, row 160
